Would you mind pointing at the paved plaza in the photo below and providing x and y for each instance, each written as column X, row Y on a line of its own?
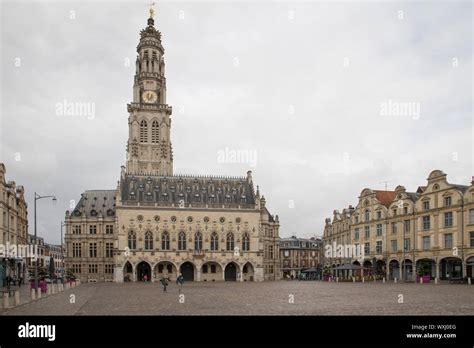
column 265, row 298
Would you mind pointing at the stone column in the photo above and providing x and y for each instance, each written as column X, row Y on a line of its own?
column 437, row 269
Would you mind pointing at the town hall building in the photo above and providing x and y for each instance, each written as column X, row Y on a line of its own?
column 157, row 223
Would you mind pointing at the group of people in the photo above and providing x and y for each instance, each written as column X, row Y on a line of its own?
column 9, row 281
column 179, row 281
column 166, row 280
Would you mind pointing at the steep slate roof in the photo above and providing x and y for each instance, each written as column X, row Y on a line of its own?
column 194, row 190
column 96, row 202
column 385, row 197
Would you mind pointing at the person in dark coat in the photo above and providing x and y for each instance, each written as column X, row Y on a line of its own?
column 164, row 282
column 180, row 281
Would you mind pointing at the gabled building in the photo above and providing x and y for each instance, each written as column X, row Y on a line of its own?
column 428, row 232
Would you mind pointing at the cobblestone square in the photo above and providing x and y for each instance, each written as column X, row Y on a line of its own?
column 252, row 298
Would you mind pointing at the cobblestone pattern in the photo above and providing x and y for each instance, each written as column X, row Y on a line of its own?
column 267, row 298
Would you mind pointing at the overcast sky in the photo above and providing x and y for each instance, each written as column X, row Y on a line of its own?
column 310, row 88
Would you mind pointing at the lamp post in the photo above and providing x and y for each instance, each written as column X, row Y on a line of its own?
column 37, row 197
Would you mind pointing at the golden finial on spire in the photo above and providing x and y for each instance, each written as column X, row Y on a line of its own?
column 152, row 10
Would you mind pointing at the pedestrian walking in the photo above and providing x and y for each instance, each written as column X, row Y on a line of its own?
column 164, row 282
column 180, row 281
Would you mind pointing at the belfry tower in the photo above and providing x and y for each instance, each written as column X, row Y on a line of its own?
column 149, row 148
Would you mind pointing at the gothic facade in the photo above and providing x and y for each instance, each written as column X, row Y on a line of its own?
column 158, row 224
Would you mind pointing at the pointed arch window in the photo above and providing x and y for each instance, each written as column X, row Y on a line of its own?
column 230, row 242
column 165, row 241
column 182, row 241
column 214, row 242
column 155, row 132
column 143, row 131
column 198, row 241
column 132, row 240
column 148, row 240
column 246, row 242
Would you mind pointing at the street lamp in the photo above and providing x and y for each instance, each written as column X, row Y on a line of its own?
column 37, row 197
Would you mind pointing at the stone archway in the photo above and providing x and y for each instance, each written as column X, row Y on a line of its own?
column 357, row 272
column 143, row 271
column 407, row 268
column 248, row 273
column 470, row 267
column 450, row 267
column 368, row 269
column 425, row 267
column 127, row 272
column 187, row 270
column 394, row 269
column 230, row 272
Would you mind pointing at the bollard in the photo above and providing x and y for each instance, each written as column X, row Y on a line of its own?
column 33, row 294
column 337, row 279
column 48, row 291
column 38, row 293
column 68, row 285
column 61, row 287
column 374, row 280
column 383, row 280
column 436, row 280
column 363, row 279
column 73, row 284
column 395, row 280
column 16, row 301
column 6, row 300
column 469, row 280
column 53, row 288
column 353, row 280
column 421, row 280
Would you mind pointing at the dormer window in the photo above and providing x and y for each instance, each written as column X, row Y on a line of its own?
column 426, row 205
column 447, row 201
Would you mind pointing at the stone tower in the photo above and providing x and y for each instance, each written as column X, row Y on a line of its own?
column 149, row 148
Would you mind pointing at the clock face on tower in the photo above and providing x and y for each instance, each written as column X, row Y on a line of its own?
column 149, row 97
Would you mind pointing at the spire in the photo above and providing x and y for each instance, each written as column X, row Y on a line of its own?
column 151, row 21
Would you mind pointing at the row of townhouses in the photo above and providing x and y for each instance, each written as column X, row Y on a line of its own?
column 401, row 234
column 14, row 234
